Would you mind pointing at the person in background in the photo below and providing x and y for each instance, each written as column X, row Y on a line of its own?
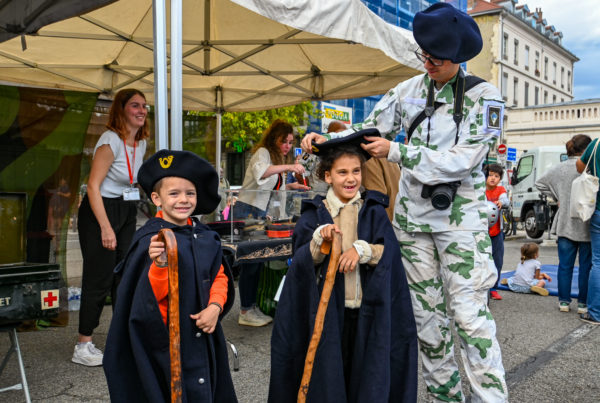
column 573, row 234
column 270, row 161
column 593, row 294
column 528, row 278
column 497, row 195
column 107, row 215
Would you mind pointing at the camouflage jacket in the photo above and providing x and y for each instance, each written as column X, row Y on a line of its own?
column 440, row 161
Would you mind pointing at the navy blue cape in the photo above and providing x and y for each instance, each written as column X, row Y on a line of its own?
column 136, row 359
column 384, row 363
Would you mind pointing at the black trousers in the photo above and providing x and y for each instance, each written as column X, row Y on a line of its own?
column 98, row 262
column 348, row 341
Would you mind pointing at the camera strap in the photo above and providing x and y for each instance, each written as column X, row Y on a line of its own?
column 464, row 84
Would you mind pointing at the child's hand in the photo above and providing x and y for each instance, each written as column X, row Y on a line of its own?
column 156, row 249
column 328, row 231
column 547, row 277
column 498, row 204
column 348, row 261
column 206, row 319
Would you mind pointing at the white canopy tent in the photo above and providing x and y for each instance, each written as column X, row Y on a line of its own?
column 235, row 55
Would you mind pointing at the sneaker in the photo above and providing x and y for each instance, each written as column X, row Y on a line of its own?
column 588, row 319
column 261, row 315
column 504, row 281
column 494, row 294
column 581, row 308
column 251, row 318
column 87, row 354
column 564, row 307
column 539, row 290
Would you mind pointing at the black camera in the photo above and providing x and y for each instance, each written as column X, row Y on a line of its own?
column 442, row 194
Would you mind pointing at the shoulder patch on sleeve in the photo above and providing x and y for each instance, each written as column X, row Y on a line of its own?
column 493, row 115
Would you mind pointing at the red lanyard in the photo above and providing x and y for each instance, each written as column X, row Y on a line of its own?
column 129, row 166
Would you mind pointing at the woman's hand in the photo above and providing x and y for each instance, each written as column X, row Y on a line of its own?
column 328, row 231
column 296, row 168
column 296, row 186
column 156, row 249
column 348, row 261
column 306, row 142
column 109, row 240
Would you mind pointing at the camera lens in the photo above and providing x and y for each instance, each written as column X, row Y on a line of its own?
column 441, row 197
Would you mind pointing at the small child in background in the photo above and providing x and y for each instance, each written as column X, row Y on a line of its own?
column 497, row 195
column 528, row 278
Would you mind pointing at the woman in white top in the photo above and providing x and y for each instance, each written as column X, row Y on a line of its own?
column 107, row 215
column 266, row 171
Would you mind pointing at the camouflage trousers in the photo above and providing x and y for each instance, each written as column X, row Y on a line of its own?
column 449, row 275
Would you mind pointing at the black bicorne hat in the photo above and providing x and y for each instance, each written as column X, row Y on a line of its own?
column 187, row 165
column 447, row 33
column 352, row 140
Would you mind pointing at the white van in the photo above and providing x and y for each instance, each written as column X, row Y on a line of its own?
column 527, row 203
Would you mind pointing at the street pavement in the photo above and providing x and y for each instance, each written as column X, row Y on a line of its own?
column 549, row 356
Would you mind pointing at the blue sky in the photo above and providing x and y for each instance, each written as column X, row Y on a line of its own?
column 578, row 21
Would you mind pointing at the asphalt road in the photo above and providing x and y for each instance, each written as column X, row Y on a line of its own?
column 549, row 356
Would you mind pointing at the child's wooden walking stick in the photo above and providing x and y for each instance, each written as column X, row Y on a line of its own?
column 336, row 249
column 167, row 237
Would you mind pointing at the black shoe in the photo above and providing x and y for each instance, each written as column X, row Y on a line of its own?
column 588, row 319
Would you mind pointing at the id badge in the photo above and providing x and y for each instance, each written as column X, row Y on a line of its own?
column 131, row 194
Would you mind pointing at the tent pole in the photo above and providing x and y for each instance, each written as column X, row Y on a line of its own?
column 218, row 145
column 161, row 104
column 176, row 85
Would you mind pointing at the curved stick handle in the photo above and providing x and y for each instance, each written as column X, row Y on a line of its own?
column 167, row 237
column 336, row 249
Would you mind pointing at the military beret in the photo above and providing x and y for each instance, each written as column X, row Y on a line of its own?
column 447, row 33
column 352, row 140
column 187, row 165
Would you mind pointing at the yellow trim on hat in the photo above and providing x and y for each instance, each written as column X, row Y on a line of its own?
column 166, row 162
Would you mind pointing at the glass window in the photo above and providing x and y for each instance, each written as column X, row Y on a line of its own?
column 526, row 58
column 505, row 47
column 515, row 91
column 537, row 96
column 525, row 167
column 545, row 68
column 545, row 97
column 554, row 72
column 569, row 81
column 526, row 94
column 537, row 63
column 504, row 86
column 516, row 51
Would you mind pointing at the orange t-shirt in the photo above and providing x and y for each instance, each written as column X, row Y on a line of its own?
column 159, row 280
column 493, row 196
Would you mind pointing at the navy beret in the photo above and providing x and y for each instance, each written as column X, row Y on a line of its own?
column 447, row 33
column 352, row 140
column 187, row 165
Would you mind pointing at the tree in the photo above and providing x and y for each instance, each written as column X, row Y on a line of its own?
column 241, row 130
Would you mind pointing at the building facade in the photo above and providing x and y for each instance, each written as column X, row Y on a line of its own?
column 522, row 54
column 552, row 124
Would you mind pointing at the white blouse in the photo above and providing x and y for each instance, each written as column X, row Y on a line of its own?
column 117, row 177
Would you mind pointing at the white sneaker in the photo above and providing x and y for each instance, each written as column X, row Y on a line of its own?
column 261, row 315
column 87, row 354
column 251, row 318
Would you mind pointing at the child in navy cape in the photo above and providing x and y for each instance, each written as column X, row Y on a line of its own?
column 368, row 348
column 136, row 360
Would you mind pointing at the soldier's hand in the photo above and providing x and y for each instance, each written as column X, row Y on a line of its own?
column 306, row 143
column 378, row 146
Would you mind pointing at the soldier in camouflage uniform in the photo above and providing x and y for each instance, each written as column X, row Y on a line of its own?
column 446, row 252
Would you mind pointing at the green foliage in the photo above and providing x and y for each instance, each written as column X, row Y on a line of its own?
column 241, row 130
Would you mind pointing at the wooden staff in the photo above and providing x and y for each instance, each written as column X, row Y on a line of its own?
column 167, row 237
column 336, row 250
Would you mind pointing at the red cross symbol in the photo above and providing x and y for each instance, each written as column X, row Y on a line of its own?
column 49, row 299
